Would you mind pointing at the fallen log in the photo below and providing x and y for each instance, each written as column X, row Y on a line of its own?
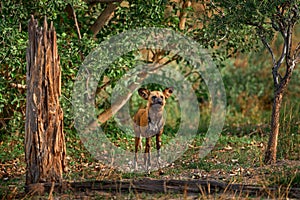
column 148, row 185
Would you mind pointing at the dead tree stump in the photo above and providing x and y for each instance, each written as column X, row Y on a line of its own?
column 45, row 149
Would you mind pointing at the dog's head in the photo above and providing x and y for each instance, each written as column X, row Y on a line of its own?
column 156, row 99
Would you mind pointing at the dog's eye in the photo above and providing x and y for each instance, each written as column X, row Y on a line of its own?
column 162, row 97
column 154, row 97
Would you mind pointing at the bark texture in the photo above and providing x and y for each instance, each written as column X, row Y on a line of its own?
column 45, row 148
column 270, row 155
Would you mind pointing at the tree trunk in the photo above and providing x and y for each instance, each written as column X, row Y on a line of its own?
column 270, row 156
column 280, row 88
column 45, row 148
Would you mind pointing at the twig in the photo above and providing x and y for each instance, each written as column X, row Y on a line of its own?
column 51, row 191
column 76, row 23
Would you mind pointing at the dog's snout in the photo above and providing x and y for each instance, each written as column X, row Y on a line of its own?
column 157, row 100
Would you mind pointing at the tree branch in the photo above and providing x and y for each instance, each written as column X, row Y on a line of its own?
column 285, row 27
column 296, row 14
column 283, row 53
column 276, row 76
column 289, row 62
column 103, row 18
column 282, row 29
column 76, row 22
column 291, row 59
column 267, row 45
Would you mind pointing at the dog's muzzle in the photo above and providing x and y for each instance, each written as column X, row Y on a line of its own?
column 157, row 101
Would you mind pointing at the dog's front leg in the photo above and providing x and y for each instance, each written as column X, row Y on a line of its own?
column 147, row 156
column 158, row 145
column 137, row 145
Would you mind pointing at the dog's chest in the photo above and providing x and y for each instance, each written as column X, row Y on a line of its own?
column 155, row 123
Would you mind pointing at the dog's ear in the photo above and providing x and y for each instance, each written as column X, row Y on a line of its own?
column 144, row 93
column 168, row 92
